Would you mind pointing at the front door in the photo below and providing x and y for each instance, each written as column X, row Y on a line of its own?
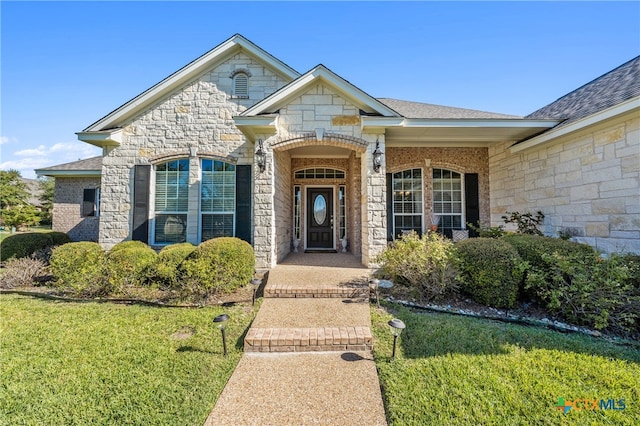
column 320, row 218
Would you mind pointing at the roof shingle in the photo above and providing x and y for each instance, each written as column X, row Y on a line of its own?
column 430, row 111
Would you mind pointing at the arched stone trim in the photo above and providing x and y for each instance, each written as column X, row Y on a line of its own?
column 407, row 166
column 239, row 71
column 450, row 166
column 178, row 155
column 284, row 143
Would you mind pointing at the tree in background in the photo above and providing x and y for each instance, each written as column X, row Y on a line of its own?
column 47, row 185
column 15, row 210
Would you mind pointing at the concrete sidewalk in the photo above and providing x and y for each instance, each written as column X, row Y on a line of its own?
column 313, row 303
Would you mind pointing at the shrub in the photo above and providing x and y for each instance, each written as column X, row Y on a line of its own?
column 424, row 264
column 128, row 244
column 165, row 270
column 218, row 265
column 527, row 223
column 532, row 247
column 24, row 244
column 587, row 290
column 59, row 238
column 490, row 270
column 128, row 266
column 79, row 267
column 487, row 231
column 22, row 272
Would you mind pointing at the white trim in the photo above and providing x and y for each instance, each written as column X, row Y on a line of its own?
column 320, row 74
column 183, row 75
column 111, row 137
column 621, row 108
column 516, row 123
column 69, row 173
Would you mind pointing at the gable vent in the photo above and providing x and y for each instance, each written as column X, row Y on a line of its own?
column 241, row 86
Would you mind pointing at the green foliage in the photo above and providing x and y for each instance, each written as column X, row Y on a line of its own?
column 20, row 215
column 13, row 190
column 218, row 265
column 532, row 247
column 527, row 223
column 165, row 271
column 59, row 238
column 47, row 186
column 80, row 267
column 128, row 266
column 487, row 231
column 423, row 264
column 25, row 244
column 490, row 270
column 22, row 272
column 587, row 290
column 128, row 244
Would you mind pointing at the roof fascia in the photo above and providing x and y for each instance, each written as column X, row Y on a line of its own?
column 622, row 108
column 188, row 72
column 69, row 173
column 104, row 138
column 517, row 123
column 253, row 126
column 322, row 74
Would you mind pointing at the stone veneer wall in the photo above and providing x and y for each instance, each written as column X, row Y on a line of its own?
column 586, row 183
column 67, row 206
column 283, row 204
column 200, row 116
column 461, row 160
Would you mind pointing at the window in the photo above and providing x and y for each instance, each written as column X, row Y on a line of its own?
column 241, row 85
column 319, row 173
column 447, row 199
column 90, row 202
column 171, row 202
column 407, row 201
column 342, row 212
column 297, row 209
column 217, row 199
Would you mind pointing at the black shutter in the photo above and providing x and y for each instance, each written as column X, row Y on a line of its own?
column 472, row 209
column 88, row 202
column 141, row 181
column 389, row 207
column 243, row 202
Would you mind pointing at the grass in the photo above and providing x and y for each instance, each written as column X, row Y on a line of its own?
column 457, row 370
column 66, row 363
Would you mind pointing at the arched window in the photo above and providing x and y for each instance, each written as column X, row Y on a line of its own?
column 171, row 202
column 241, row 85
column 407, row 201
column 217, row 199
column 447, row 200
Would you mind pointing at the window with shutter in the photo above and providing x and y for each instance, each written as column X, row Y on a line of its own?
column 448, row 200
column 171, row 202
column 217, row 199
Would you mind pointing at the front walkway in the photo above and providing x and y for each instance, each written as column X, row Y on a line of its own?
column 308, row 356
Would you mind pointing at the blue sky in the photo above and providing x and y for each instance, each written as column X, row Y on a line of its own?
column 64, row 65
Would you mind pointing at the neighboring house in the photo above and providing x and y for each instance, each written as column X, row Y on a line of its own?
column 238, row 143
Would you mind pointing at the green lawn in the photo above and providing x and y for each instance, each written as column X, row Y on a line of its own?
column 456, row 370
column 68, row 363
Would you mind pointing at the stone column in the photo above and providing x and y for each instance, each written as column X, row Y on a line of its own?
column 374, row 207
column 264, row 216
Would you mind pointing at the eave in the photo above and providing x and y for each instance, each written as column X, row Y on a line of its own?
column 104, row 138
column 628, row 106
column 69, row 173
column 253, row 126
column 412, row 132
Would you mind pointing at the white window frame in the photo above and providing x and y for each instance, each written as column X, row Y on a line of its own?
column 462, row 200
column 152, row 206
column 235, row 197
column 393, row 205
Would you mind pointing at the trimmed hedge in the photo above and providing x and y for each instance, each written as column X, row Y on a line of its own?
column 218, row 265
column 490, row 271
column 127, row 245
column 80, row 267
column 165, row 271
column 128, row 266
column 25, row 244
column 532, row 247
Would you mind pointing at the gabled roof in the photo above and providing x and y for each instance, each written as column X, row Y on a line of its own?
column 322, row 74
column 186, row 73
column 610, row 89
column 87, row 167
column 421, row 110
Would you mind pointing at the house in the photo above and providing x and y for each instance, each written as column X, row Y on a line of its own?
column 237, row 143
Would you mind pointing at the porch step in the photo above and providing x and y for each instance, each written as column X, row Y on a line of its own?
column 308, row 339
column 347, row 290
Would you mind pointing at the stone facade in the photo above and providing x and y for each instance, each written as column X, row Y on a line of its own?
column 67, row 208
column 585, row 183
column 198, row 116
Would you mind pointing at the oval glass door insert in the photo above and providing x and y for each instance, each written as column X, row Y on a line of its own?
column 320, row 209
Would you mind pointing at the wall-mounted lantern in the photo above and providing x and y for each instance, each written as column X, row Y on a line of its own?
column 261, row 157
column 377, row 157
